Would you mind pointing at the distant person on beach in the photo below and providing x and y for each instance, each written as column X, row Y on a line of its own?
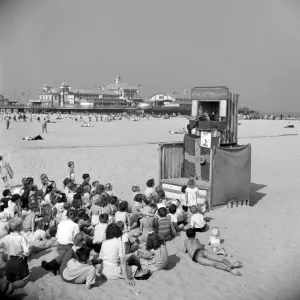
column 4, row 172
column 7, row 122
column 201, row 256
column 71, row 166
column 44, row 126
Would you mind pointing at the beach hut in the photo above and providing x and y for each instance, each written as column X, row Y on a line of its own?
column 221, row 167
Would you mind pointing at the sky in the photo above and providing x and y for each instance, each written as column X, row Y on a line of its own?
column 166, row 46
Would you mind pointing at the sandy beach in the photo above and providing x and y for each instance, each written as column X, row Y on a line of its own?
column 264, row 236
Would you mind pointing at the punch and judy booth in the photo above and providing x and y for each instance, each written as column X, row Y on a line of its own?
column 211, row 155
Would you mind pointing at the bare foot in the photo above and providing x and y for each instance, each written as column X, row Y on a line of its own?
column 235, row 272
column 237, row 264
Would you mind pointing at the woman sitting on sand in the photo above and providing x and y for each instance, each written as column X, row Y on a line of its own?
column 115, row 265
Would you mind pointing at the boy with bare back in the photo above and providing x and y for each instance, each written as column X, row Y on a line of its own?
column 199, row 255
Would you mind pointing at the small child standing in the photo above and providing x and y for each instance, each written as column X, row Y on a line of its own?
column 148, row 223
column 71, row 166
column 191, row 193
column 108, row 189
column 17, row 249
column 99, row 233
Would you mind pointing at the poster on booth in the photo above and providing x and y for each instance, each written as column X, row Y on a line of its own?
column 205, row 139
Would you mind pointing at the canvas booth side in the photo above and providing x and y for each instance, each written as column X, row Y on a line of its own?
column 231, row 174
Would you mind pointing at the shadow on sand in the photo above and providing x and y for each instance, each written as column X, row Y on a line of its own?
column 255, row 195
column 173, row 260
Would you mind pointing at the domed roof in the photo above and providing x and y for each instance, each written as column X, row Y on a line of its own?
column 64, row 84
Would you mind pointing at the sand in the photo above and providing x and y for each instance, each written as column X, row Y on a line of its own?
column 263, row 236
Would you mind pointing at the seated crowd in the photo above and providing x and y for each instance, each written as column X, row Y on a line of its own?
column 96, row 232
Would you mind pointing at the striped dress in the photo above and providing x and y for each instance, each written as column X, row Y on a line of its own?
column 164, row 229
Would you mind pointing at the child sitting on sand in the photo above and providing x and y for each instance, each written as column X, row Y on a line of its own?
column 197, row 220
column 214, row 243
column 199, row 255
column 137, row 204
column 156, row 256
column 149, row 191
column 113, row 208
column 95, row 212
column 122, row 215
column 165, row 228
column 99, row 232
column 78, row 270
column 131, row 244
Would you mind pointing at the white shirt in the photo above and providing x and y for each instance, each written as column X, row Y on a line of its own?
column 15, row 244
column 172, row 218
column 197, row 221
column 149, row 191
column 79, row 272
column 66, row 231
column 192, row 195
column 99, row 233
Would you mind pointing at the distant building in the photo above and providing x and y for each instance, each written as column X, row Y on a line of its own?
column 66, row 96
column 176, row 99
column 126, row 91
column 5, row 101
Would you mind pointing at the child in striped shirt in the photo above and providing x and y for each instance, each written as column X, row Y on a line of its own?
column 165, row 228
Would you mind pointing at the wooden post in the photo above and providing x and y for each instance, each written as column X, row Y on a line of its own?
column 212, row 150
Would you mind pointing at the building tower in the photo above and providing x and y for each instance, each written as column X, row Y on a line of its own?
column 118, row 79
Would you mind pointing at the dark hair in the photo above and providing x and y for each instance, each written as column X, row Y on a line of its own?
column 113, row 200
column 154, row 241
column 83, row 254
column 15, row 197
column 94, row 184
column 103, row 218
column 66, row 181
column 67, row 206
column 162, row 212
column 28, row 181
column 123, row 206
column 161, row 194
column 53, row 231
column 150, row 183
column 71, row 213
column 113, row 231
column 121, row 225
column 85, row 176
column 191, row 233
column 172, row 209
column 147, row 201
column 49, row 189
column 81, row 214
column 6, row 192
column 138, row 198
column 153, row 206
column 183, row 189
